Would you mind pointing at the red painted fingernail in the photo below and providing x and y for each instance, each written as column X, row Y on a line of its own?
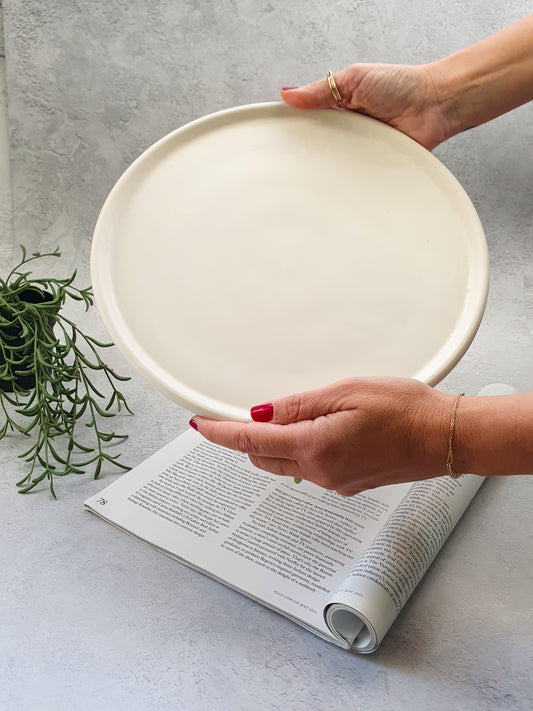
column 262, row 413
column 192, row 423
column 288, row 88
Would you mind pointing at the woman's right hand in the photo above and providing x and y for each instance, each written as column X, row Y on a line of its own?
column 409, row 98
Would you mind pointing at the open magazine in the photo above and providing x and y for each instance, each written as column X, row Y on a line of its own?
column 341, row 567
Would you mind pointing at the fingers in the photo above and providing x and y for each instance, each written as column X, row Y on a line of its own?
column 278, row 466
column 290, row 468
column 256, row 439
column 304, row 406
column 312, row 96
column 318, row 95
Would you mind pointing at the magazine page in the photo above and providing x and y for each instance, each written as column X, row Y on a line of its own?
column 371, row 596
column 284, row 544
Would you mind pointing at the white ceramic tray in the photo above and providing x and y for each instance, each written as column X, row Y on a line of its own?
column 261, row 251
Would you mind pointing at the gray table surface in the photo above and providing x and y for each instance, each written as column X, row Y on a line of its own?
column 90, row 617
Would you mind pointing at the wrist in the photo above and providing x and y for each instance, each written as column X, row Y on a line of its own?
column 431, row 430
column 466, row 444
column 470, row 90
column 493, row 435
column 486, row 80
column 446, row 92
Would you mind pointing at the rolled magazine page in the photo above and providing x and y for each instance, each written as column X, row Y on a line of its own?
column 397, row 559
column 366, row 604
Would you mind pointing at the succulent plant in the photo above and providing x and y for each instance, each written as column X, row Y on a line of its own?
column 47, row 377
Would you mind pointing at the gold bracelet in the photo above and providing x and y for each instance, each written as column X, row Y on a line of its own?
column 449, row 461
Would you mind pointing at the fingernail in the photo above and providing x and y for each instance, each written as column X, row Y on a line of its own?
column 192, row 423
column 288, row 88
column 262, row 413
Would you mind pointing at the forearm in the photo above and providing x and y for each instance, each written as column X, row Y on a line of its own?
column 494, row 435
column 487, row 79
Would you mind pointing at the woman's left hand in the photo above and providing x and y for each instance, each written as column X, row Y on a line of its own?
column 357, row 434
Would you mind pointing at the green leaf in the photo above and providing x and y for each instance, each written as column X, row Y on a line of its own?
column 37, row 339
column 98, row 469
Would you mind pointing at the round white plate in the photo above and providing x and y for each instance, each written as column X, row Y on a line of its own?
column 262, row 251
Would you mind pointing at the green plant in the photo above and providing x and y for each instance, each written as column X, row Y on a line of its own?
column 47, row 377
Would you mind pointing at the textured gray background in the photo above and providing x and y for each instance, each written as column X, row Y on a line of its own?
column 92, row 619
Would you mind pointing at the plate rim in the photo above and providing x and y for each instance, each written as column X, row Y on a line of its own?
column 446, row 358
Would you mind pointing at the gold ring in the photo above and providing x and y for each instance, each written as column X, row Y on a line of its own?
column 333, row 87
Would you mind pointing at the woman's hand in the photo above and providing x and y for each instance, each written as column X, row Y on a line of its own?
column 409, row 98
column 357, row 434
column 433, row 102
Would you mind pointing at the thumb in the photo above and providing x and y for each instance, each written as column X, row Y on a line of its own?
column 312, row 96
column 302, row 406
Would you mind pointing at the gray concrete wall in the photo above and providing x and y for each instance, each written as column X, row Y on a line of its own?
column 93, row 620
